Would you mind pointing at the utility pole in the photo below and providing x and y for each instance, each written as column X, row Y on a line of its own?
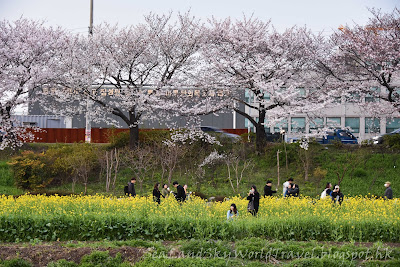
column 91, row 19
column 277, row 160
column 88, row 128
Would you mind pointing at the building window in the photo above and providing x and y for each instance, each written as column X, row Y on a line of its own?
column 248, row 95
column 266, row 127
column 353, row 123
column 392, row 124
column 353, row 97
column 298, row 125
column 301, row 93
column 334, row 122
column 281, row 125
column 316, row 124
column 373, row 95
column 372, row 125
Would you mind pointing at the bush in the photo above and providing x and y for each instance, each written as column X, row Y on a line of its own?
column 154, row 136
column 36, row 171
column 376, row 263
column 16, row 263
column 184, row 262
column 360, row 173
column 62, row 263
column 324, row 262
column 392, row 140
column 30, row 171
column 102, row 258
column 246, row 137
column 203, row 248
column 145, row 137
column 119, row 140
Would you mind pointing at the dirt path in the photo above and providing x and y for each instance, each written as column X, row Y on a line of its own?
column 41, row 255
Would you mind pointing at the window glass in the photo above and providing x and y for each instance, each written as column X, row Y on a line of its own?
column 266, row 127
column 298, row 125
column 283, row 124
column 316, row 123
column 372, row 96
column 334, row 122
column 353, row 123
column 372, row 125
column 392, row 124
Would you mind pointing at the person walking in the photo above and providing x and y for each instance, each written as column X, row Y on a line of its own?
column 156, row 193
column 327, row 191
column 268, row 189
column 180, row 194
column 232, row 212
column 254, row 200
column 131, row 187
column 165, row 191
column 388, row 191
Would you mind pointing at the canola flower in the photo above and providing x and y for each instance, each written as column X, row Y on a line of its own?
column 98, row 217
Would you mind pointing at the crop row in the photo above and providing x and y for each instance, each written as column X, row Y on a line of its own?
column 97, row 218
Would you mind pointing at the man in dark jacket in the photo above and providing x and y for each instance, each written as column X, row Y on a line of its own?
column 293, row 189
column 268, row 189
column 388, row 191
column 180, row 194
column 131, row 187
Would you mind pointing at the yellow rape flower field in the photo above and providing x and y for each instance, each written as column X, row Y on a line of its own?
column 98, row 217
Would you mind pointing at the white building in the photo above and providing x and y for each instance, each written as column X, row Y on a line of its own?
column 345, row 114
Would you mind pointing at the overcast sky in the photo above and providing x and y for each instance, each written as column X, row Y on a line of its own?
column 319, row 15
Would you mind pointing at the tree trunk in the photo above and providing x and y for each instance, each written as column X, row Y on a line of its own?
column 133, row 129
column 133, row 136
column 260, row 138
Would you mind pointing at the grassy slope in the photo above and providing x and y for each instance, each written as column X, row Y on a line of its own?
column 367, row 168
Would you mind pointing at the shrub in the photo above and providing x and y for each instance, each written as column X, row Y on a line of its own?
column 246, row 137
column 360, row 173
column 62, row 263
column 154, row 136
column 30, row 171
column 16, row 263
column 392, row 140
column 119, row 140
column 203, row 248
column 183, row 262
column 102, row 258
column 376, row 263
column 324, row 262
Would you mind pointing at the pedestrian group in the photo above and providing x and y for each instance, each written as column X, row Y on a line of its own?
column 290, row 189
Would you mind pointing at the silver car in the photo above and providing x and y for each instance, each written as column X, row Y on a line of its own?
column 379, row 139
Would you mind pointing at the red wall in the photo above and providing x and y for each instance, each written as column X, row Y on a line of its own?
column 99, row 135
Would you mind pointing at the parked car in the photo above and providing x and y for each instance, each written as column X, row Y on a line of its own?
column 221, row 133
column 344, row 136
column 274, row 137
column 379, row 139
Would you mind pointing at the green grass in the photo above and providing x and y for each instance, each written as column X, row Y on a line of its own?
column 367, row 170
column 7, row 181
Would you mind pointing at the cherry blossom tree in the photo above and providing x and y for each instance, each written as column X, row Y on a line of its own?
column 29, row 58
column 251, row 55
column 142, row 66
column 365, row 61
